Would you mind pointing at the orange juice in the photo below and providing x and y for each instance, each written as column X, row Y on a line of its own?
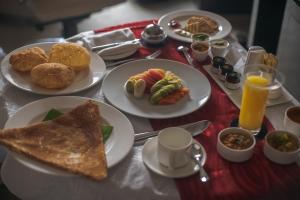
column 255, row 94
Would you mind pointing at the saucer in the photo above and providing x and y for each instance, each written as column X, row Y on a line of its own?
column 149, row 155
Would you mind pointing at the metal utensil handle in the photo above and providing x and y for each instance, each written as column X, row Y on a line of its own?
column 203, row 174
column 145, row 135
column 188, row 57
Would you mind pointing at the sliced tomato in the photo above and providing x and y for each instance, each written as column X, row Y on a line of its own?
column 155, row 74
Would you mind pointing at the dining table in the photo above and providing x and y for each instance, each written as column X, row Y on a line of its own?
column 257, row 178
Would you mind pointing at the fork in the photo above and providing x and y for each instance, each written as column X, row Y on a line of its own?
column 151, row 56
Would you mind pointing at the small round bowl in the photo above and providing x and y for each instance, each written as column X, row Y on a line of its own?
column 232, row 154
column 279, row 156
column 200, row 37
column 219, row 47
column 200, row 50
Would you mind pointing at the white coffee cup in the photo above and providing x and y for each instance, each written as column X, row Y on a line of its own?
column 173, row 146
column 292, row 120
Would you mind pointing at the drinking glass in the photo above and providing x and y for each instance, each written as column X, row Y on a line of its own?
column 258, row 80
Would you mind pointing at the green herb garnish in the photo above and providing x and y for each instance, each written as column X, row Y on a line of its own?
column 106, row 131
column 53, row 114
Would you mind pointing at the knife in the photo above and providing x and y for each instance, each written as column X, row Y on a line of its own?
column 194, row 128
column 97, row 48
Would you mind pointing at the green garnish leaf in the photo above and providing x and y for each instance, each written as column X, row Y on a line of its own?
column 52, row 114
column 106, row 131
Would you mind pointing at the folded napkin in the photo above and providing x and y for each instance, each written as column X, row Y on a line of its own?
column 116, row 52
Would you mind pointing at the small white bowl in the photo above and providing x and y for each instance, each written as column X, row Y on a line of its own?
column 235, row 155
column 281, row 157
column 219, row 47
column 197, row 54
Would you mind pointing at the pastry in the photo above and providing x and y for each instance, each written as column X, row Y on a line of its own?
column 198, row 24
column 52, row 75
column 25, row 60
column 70, row 54
column 72, row 142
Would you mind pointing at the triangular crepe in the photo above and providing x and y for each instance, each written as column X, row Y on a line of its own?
column 72, row 142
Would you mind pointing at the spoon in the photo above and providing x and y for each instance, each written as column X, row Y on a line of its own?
column 197, row 155
column 186, row 54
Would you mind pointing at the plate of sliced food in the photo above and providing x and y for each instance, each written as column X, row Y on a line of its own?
column 68, row 135
column 156, row 88
column 182, row 24
column 53, row 68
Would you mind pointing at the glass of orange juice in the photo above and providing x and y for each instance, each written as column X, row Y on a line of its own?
column 258, row 81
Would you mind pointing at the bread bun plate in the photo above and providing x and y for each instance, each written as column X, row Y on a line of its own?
column 84, row 79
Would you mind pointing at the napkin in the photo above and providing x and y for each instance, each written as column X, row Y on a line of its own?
column 115, row 52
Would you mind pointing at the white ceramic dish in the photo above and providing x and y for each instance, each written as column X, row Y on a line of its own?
column 150, row 158
column 182, row 15
column 83, row 80
column 117, row 146
column 231, row 154
column 121, row 53
column 278, row 156
column 113, row 89
column 200, row 55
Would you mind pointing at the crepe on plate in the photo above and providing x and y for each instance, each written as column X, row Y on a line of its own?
column 72, row 142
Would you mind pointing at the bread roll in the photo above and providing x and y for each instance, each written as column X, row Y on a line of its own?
column 52, row 75
column 25, row 60
column 70, row 54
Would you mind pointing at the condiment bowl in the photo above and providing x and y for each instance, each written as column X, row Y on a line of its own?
column 219, row 47
column 235, row 144
column 200, row 50
column 282, row 147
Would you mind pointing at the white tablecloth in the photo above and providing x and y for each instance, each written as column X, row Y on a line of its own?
column 128, row 180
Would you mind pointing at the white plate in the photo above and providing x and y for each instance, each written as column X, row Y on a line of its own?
column 182, row 15
column 149, row 154
column 121, row 55
column 117, row 146
column 113, row 89
column 83, row 80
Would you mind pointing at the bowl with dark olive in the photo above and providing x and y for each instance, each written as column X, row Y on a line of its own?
column 235, row 144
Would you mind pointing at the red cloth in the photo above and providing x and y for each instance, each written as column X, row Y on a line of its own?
column 257, row 178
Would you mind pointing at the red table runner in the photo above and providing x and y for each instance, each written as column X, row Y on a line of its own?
column 257, row 178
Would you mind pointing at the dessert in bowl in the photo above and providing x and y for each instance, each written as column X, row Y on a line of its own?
column 200, row 50
column 235, row 144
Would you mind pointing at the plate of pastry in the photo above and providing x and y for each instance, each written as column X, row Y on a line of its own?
column 53, row 68
column 182, row 24
column 156, row 88
column 77, row 141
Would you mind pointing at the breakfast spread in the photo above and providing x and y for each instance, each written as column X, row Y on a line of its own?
column 55, row 71
column 71, row 142
column 163, row 87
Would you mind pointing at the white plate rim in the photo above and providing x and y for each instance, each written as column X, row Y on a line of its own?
column 122, row 137
column 200, row 102
column 122, row 55
column 95, row 73
column 150, row 144
column 163, row 21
